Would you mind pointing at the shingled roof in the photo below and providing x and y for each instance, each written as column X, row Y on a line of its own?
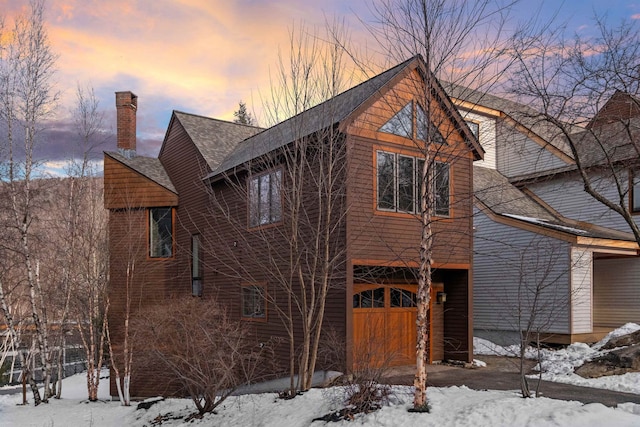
column 322, row 116
column 147, row 166
column 615, row 142
column 523, row 114
column 312, row 120
column 494, row 192
column 214, row 138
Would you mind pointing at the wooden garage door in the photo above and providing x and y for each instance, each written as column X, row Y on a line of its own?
column 384, row 324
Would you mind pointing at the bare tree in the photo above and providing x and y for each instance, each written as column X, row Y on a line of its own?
column 85, row 230
column 303, row 186
column 461, row 43
column 26, row 100
column 585, row 89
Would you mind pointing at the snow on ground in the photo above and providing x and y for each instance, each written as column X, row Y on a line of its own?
column 451, row 406
column 559, row 365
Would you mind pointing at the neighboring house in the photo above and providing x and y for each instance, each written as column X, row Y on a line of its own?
column 184, row 224
column 545, row 251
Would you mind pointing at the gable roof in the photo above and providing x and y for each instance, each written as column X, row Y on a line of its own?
column 498, row 197
column 322, row 116
column 149, row 167
column 620, row 106
column 528, row 117
column 609, row 143
column 496, row 193
column 213, row 138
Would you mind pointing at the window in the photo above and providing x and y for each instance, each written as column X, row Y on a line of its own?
column 397, row 178
column 403, row 298
column 196, row 269
column 160, row 232
column 371, row 298
column 254, row 301
column 265, row 204
column 399, row 184
column 474, row 127
column 401, row 123
column 422, row 121
column 441, row 188
column 635, row 191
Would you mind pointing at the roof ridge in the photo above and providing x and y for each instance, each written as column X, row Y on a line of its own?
column 216, row 119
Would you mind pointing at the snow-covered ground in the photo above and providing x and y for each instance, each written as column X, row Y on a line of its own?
column 558, row 365
column 451, row 406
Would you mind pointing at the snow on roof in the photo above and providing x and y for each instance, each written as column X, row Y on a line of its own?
column 546, row 223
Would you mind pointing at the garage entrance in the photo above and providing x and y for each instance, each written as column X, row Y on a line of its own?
column 384, row 324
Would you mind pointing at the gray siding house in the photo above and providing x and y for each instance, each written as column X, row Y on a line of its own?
column 547, row 256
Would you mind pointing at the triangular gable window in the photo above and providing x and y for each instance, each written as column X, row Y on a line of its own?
column 422, row 121
column 401, row 123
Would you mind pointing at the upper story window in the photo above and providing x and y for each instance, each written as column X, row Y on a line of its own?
column 474, row 127
column 265, row 203
column 425, row 126
column 160, row 232
column 635, row 191
column 398, row 183
column 441, row 188
column 401, row 124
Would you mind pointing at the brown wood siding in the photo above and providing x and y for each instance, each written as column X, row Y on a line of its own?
column 383, row 237
column 241, row 256
column 144, row 285
column 233, row 255
column 126, row 188
column 393, row 237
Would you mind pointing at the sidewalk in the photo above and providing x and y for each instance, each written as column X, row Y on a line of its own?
column 501, row 373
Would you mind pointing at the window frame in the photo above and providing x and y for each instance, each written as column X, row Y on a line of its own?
column 634, row 193
column 471, row 124
column 197, row 283
column 152, row 246
column 435, row 176
column 274, row 215
column 398, row 122
column 417, row 164
column 259, row 294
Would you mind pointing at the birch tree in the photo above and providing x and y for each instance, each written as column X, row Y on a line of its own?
column 462, row 43
column 27, row 97
column 85, row 228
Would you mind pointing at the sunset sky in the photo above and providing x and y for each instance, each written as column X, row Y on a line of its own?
column 201, row 56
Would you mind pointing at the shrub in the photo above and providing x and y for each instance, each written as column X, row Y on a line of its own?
column 196, row 344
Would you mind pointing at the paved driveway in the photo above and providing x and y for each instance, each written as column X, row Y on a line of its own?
column 501, row 373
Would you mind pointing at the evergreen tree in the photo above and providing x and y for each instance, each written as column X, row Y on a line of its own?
column 243, row 116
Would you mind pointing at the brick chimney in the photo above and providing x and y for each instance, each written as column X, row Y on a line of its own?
column 126, row 106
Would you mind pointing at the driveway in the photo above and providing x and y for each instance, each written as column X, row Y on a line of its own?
column 501, row 373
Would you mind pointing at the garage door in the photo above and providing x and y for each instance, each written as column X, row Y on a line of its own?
column 384, row 325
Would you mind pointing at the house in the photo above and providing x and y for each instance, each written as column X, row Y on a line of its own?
column 218, row 215
column 546, row 252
